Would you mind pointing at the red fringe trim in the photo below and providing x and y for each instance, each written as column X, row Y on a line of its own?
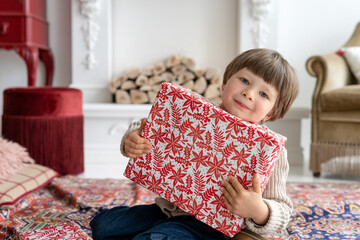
column 55, row 142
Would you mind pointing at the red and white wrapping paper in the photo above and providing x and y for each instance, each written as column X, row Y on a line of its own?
column 196, row 145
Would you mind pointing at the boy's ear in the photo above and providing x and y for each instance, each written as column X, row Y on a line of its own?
column 222, row 87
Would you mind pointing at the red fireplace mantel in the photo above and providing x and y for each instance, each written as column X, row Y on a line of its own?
column 23, row 27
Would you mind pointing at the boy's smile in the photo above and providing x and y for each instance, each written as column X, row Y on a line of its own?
column 241, row 105
column 248, row 96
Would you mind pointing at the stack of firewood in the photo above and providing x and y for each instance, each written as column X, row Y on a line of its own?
column 140, row 86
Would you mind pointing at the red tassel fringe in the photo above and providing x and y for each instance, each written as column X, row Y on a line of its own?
column 55, row 142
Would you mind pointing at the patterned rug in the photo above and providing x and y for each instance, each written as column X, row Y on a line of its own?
column 68, row 199
column 321, row 210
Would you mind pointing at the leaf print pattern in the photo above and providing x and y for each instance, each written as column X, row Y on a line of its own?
column 172, row 143
column 177, row 176
column 199, row 160
column 219, row 139
column 158, row 136
column 196, row 145
column 241, row 157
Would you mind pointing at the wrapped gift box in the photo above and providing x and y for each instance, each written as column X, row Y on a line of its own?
column 196, row 145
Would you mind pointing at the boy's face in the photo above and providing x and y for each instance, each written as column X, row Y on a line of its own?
column 248, row 96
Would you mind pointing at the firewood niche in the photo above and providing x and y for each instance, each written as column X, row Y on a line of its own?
column 140, row 86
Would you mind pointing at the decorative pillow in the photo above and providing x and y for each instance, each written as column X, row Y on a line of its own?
column 12, row 157
column 24, row 181
column 352, row 56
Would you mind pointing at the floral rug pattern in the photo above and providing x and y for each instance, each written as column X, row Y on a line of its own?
column 323, row 211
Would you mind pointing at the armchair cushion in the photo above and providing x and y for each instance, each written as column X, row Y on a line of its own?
column 342, row 99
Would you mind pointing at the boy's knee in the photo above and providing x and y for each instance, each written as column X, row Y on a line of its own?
column 97, row 227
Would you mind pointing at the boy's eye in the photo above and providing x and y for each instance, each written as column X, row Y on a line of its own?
column 264, row 95
column 244, row 80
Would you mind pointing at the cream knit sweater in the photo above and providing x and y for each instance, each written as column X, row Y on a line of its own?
column 274, row 195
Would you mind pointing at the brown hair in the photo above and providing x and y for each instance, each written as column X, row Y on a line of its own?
column 275, row 70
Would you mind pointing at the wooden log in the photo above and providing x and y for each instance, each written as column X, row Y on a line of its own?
column 122, row 97
column 133, row 72
column 199, row 72
column 146, row 88
column 216, row 80
column 138, row 97
column 159, row 68
column 147, row 71
column 188, row 62
column 200, row 85
column 155, row 80
column 113, row 86
column 212, row 91
column 141, row 80
column 189, row 85
column 127, row 85
column 115, row 83
column 152, row 96
column 167, row 77
column 185, row 77
column 210, row 73
column 174, row 60
column 216, row 100
column 177, row 70
column 156, row 88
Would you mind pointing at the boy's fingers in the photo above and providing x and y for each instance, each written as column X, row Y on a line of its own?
column 143, row 121
column 136, row 139
column 227, row 204
column 135, row 152
column 236, row 184
column 137, row 146
column 229, row 189
column 256, row 183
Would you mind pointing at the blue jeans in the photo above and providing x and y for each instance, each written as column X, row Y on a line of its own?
column 149, row 222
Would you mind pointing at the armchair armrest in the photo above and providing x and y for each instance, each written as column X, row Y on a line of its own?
column 331, row 71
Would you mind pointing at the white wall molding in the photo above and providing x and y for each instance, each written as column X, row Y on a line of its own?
column 260, row 10
column 258, row 19
column 90, row 29
column 91, row 38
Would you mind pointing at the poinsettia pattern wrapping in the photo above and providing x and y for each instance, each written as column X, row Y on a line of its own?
column 196, row 145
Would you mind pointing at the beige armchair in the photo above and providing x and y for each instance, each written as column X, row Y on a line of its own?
column 335, row 131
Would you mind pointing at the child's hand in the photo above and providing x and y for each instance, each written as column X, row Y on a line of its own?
column 245, row 203
column 134, row 145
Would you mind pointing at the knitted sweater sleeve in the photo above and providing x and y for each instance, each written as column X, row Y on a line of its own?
column 275, row 197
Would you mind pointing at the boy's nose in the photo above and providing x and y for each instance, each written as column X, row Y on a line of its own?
column 247, row 94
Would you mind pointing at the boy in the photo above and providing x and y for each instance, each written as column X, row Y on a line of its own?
column 258, row 85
